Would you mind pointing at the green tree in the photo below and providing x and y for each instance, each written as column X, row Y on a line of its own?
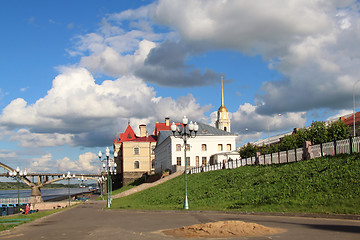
column 248, row 150
column 287, row 143
column 267, row 149
column 318, row 132
column 301, row 136
column 338, row 130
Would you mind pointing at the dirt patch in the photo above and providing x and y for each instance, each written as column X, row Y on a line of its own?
column 223, row 229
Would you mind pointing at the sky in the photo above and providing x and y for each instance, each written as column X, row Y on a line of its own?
column 74, row 73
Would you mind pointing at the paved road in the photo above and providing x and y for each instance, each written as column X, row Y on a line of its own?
column 90, row 221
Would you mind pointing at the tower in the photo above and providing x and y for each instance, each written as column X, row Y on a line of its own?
column 223, row 120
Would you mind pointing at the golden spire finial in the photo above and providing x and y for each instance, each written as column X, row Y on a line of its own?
column 222, row 107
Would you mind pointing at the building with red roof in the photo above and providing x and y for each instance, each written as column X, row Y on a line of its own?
column 135, row 154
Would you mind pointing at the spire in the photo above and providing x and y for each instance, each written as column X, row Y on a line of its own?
column 222, row 92
column 223, row 120
column 222, row 108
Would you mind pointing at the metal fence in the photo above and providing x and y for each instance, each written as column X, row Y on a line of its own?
column 351, row 145
column 22, row 200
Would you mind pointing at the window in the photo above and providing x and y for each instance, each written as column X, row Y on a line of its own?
column 136, row 164
column 225, row 129
column 153, row 163
column 203, row 161
column 178, row 147
column 228, row 147
column 203, row 147
column 187, row 147
column 197, row 161
column 153, row 150
column 220, row 147
column 188, row 161
column 136, row 150
column 178, row 161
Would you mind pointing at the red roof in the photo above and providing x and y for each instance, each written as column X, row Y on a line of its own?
column 128, row 135
column 150, row 138
column 349, row 121
column 162, row 127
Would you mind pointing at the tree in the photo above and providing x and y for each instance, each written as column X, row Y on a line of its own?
column 302, row 135
column 338, row 130
column 287, row 143
column 248, row 150
column 318, row 132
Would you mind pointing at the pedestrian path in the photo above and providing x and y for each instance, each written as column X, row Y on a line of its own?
column 90, row 221
column 147, row 185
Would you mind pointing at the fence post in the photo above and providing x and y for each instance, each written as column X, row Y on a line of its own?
column 295, row 155
column 307, row 154
column 271, row 158
column 257, row 158
column 351, row 145
column 279, row 156
column 334, row 146
column 321, row 148
column 287, row 155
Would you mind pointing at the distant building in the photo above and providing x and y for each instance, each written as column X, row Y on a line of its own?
column 169, row 151
column 349, row 121
column 223, row 120
column 210, row 146
column 135, row 154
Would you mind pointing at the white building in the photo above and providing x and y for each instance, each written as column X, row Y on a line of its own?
column 169, row 151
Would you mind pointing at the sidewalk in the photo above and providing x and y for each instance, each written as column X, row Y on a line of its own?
column 90, row 221
column 147, row 185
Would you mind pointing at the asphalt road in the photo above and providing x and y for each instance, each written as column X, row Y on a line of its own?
column 91, row 221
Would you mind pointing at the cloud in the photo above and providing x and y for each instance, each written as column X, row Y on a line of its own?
column 5, row 154
column 165, row 66
column 42, row 164
column 87, row 162
column 246, row 120
column 313, row 44
column 78, row 112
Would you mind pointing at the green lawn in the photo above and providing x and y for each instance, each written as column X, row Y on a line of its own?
column 322, row 185
column 8, row 222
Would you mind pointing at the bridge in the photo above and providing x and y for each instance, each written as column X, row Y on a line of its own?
column 42, row 180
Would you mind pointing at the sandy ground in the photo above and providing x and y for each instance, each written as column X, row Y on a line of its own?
column 223, row 229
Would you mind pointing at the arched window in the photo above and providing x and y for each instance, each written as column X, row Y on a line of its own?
column 178, row 147
column 136, row 164
column 203, row 147
column 153, row 163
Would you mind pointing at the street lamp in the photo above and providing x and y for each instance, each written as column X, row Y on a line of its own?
column 110, row 169
column 68, row 176
column 101, row 180
column 185, row 135
column 354, row 128
column 18, row 175
column 82, row 179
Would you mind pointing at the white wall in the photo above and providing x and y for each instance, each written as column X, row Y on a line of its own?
column 166, row 154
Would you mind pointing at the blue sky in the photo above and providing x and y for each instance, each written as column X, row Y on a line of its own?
column 73, row 73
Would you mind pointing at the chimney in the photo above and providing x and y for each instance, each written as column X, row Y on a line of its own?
column 142, row 130
column 167, row 121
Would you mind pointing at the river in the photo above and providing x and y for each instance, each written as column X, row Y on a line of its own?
column 47, row 194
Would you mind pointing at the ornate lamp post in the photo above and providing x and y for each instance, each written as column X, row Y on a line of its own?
column 82, row 179
column 185, row 135
column 110, row 169
column 18, row 175
column 354, row 122
column 69, row 176
column 101, row 180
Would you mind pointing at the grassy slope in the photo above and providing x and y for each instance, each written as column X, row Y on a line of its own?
column 323, row 185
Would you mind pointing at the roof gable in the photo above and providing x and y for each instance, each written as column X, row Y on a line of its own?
column 128, row 135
